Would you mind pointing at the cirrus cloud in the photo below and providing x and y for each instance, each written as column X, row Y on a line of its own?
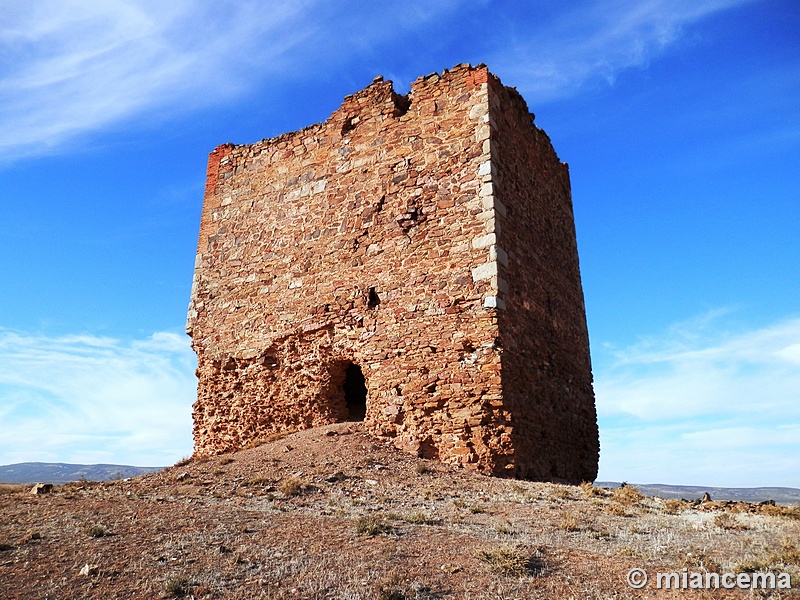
column 703, row 405
column 89, row 399
column 73, row 67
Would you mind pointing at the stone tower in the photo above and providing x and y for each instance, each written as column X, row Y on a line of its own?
column 411, row 262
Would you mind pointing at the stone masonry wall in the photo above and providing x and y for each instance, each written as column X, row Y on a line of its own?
column 546, row 367
column 372, row 240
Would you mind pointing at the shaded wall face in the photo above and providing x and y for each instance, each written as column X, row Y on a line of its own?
column 547, row 380
column 352, row 242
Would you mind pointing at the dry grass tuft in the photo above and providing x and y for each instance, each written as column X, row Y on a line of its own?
column 273, row 437
column 627, row 495
column 788, row 555
column 700, row 559
column 420, row 518
column 372, row 525
column 293, row 486
column 673, row 506
column 512, row 561
column 423, row 468
column 569, row 522
column 96, row 531
column 729, row 522
column 777, row 510
column 617, row 510
column 592, row 491
column 178, row 587
column 560, row 492
column 780, row 559
column 258, row 481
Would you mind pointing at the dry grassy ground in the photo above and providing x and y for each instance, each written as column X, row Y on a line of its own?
column 331, row 513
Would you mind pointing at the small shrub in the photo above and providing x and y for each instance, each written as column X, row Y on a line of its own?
column 96, row 531
column 776, row 510
column 420, row 518
column 699, row 559
column 598, row 534
column 392, row 593
column 184, row 461
column 560, row 492
column 591, row 491
column 511, row 561
column 729, row 522
column 476, row 510
column 788, row 555
column 396, row 586
column 776, row 560
column 273, row 437
column 505, row 529
column 178, row 587
column 627, row 495
column 617, row 510
column 791, row 512
column 292, row 486
column 752, row 565
column 373, row 525
column 673, row 506
column 423, row 468
column 258, row 481
column 569, row 523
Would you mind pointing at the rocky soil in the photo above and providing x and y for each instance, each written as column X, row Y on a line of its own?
column 332, row 513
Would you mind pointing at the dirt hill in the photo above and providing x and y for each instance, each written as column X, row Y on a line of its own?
column 332, row 513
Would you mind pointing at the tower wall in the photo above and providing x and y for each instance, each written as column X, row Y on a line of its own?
column 297, row 234
column 376, row 239
column 546, row 367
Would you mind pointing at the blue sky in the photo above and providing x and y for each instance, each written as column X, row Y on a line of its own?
column 680, row 122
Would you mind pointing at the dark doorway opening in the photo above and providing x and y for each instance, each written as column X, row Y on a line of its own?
column 355, row 393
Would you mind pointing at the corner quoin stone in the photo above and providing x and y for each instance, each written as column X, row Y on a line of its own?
column 411, row 262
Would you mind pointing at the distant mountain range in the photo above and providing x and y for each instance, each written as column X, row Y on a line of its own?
column 37, row 472
column 782, row 495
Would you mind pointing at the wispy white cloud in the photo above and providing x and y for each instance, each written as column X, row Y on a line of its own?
column 704, row 401
column 596, row 41
column 72, row 67
column 701, row 372
column 89, row 399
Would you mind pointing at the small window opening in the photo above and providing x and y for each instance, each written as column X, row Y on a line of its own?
column 349, row 124
column 401, row 105
column 373, row 300
column 355, row 393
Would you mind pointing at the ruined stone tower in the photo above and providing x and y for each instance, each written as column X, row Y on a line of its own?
column 410, row 262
